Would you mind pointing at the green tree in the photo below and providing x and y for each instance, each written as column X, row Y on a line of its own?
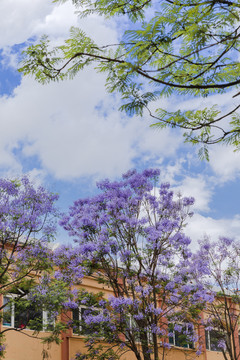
column 32, row 296
column 188, row 47
column 221, row 260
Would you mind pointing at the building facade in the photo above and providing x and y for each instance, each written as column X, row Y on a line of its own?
column 22, row 344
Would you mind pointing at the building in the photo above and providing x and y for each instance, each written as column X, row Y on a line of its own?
column 20, row 345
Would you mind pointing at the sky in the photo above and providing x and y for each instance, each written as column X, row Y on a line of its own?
column 69, row 135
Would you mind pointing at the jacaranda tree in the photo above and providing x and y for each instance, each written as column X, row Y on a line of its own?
column 130, row 238
column 27, row 226
column 185, row 47
column 218, row 264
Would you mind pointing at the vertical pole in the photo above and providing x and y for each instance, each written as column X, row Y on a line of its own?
column 202, row 339
column 65, row 337
column 1, row 304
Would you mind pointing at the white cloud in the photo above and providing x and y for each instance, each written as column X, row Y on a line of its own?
column 57, row 22
column 8, row 163
column 225, row 163
column 37, row 176
column 200, row 226
column 61, row 125
column 18, row 19
column 199, row 188
column 172, row 170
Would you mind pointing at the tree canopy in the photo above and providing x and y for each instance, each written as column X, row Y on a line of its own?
column 221, row 260
column 132, row 241
column 185, row 47
column 27, row 283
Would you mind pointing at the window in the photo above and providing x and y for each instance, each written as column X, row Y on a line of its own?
column 132, row 327
column 8, row 314
column 212, row 338
column 21, row 315
column 135, row 330
column 47, row 321
column 78, row 317
column 180, row 335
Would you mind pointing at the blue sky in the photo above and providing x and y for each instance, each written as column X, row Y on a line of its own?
column 69, row 135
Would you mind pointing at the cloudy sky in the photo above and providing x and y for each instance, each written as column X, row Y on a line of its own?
column 68, row 135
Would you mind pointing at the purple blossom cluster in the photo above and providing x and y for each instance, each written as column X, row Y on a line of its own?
column 24, row 207
column 120, row 303
column 28, row 219
column 130, row 237
column 69, row 263
column 27, row 224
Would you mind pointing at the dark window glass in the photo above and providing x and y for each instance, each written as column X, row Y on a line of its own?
column 171, row 339
column 75, row 315
column 27, row 316
column 207, row 340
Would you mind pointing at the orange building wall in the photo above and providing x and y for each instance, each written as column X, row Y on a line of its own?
column 214, row 355
column 22, row 347
column 76, row 344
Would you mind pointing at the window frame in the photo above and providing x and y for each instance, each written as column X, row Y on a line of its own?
column 81, row 320
column 188, row 344
column 132, row 323
column 208, row 341
column 45, row 322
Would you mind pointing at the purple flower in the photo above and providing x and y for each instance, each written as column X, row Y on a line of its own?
column 178, row 327
column 222, row 344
